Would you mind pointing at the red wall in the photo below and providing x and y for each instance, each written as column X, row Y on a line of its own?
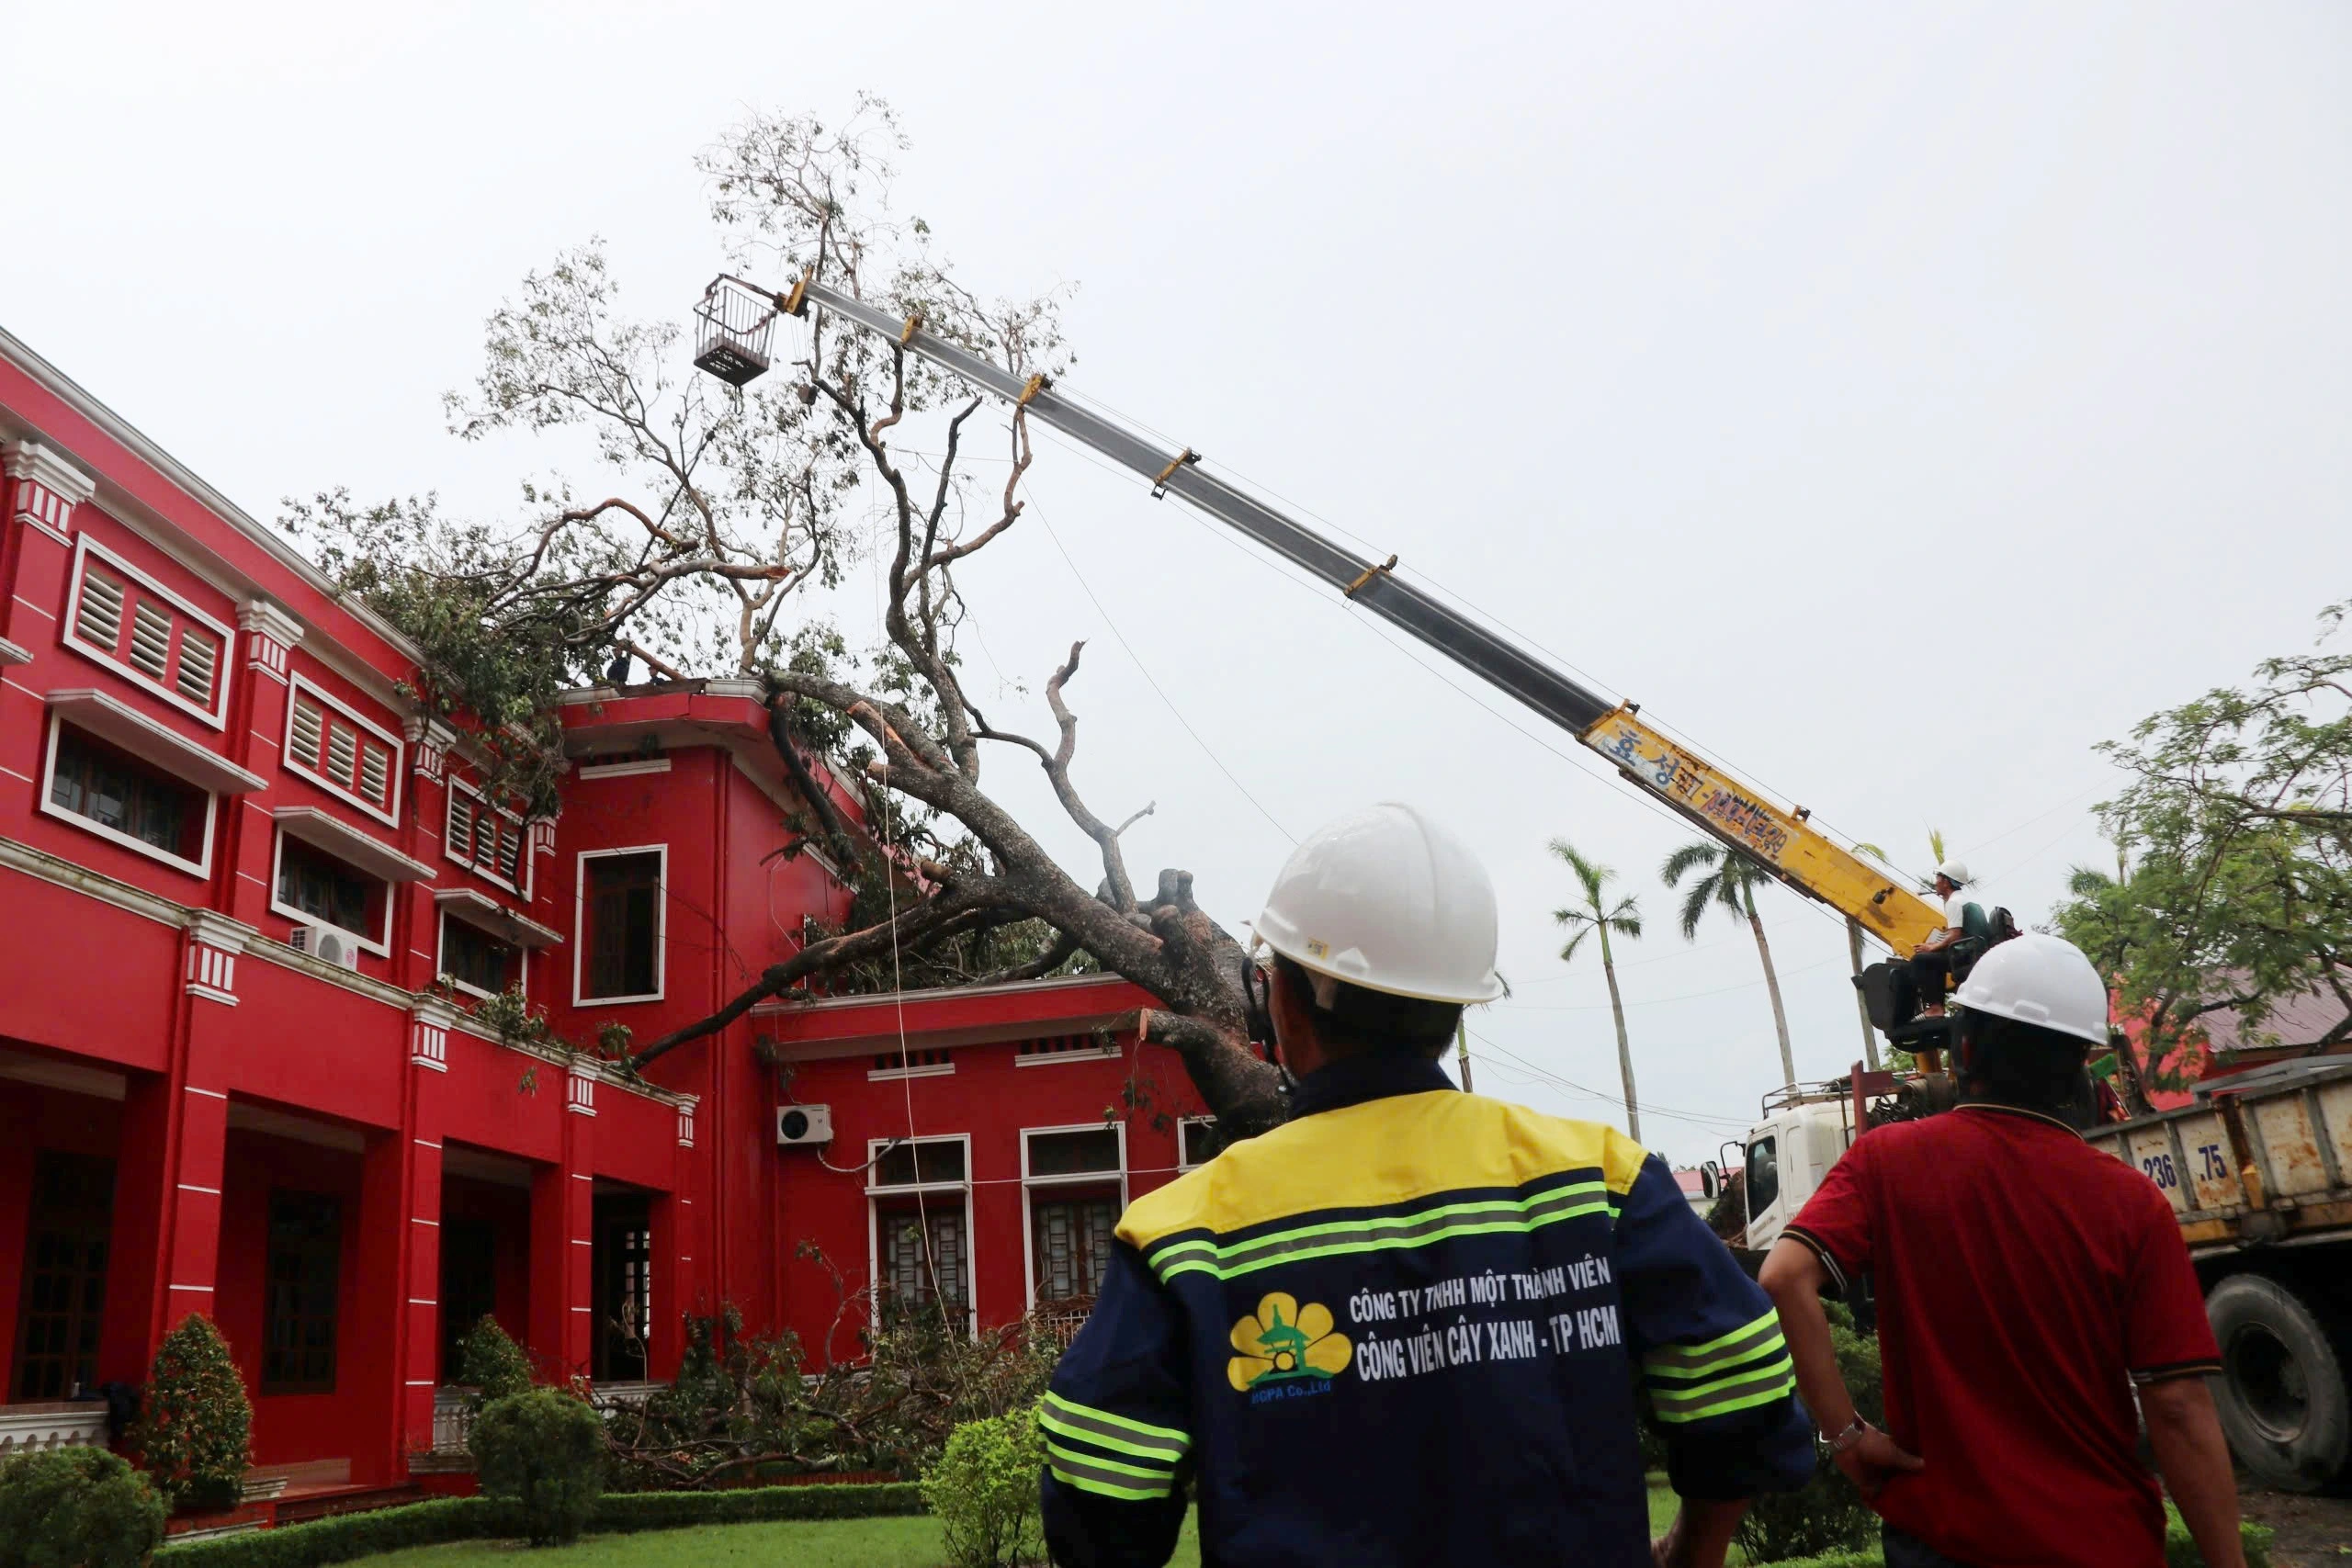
column 993, row 1099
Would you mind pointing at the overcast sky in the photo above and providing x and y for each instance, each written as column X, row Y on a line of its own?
column 1897, row 400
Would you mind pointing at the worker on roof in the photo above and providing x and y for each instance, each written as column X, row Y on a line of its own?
column 1931, row 960
column 1407, row 1326
column 2026, row 1284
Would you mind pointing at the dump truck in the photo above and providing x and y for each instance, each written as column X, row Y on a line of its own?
column 2258, row 1170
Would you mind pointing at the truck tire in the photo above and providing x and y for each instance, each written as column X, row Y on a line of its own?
column 2282, row 1399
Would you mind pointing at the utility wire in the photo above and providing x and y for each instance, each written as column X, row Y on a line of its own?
column 1111, row 621
column 1545, row 1074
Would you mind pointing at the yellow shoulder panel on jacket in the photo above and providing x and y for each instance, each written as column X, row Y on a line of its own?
column 1393, row 1150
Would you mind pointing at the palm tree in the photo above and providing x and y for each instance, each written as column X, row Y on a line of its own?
column 1729, row 882
column 1624, row 918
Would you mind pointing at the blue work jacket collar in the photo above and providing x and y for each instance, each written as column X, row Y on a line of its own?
column 1374, row 1074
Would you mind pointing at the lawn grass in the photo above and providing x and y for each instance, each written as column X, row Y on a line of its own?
column 803, row 1543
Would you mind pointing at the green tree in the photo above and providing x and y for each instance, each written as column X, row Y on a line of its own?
column 543, row 1450
column 1726, row 879
column 984, row 1492
column 491, row 1363
column 195, row 1436
column 1826, row 1515
column 76, row 1508
column 2237, row 894
column 1598, row 916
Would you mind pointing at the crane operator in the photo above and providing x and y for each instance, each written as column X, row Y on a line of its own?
column 1406, row 1327
column 1931, row 960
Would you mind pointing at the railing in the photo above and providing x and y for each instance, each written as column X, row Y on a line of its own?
column 1061, row 1321
column 453, row 1416
column 611, row 1396
column 33, row 1428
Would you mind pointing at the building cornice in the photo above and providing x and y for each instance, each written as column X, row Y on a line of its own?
column 32, row 460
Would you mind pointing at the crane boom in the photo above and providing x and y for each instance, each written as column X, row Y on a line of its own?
column 1741, row 816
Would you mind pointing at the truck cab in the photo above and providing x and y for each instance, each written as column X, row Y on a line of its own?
column 1804, row 1128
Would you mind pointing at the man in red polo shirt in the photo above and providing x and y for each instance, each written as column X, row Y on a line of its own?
column 2027, row 1284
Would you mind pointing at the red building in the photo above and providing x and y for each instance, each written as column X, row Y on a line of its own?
column 232, row 864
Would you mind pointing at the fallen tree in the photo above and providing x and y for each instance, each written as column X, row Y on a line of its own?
column 723, row 505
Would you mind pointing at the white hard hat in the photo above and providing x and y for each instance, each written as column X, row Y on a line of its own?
column 2040, row 979
column 1955, row 872
column 1386, row 899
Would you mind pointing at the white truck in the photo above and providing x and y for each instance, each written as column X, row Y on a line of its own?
column 2258, row 1169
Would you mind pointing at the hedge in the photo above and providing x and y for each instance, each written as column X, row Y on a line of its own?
column 2179, row 1551
column 349, row 1536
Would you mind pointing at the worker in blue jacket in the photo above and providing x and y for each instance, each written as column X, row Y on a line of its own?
column 1406, row 1327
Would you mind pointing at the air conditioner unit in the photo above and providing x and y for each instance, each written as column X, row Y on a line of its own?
column 326, row 942
column 798, row 1126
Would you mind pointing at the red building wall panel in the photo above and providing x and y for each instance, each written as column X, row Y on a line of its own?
column 123, row 1021
column 338, row 1052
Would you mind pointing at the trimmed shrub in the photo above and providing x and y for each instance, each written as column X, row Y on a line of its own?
column 544, row 1451
column 491, row 1362
column 984, row 1490
column 1826, row 1516
column 349, row 1536
column 76, row 1508
column 2180, row 1550
column 195, row 1438
column 621, row 1511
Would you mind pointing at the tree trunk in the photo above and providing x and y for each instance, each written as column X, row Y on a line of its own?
column 1869, row 1035
column 1772, row 989
column 2133, row 1084
column 1625, row 1051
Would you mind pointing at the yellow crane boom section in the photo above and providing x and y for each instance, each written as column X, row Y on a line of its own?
column 1799, row 855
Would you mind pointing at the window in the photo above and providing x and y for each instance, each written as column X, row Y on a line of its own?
column 923, row 1164
column 313, row 884
column 1197, row 1142
column 930, row 1063
column 484, row 837
column 619, row 944
column 305, row 1285
column 129, row 800
column 1066, row 1048
column 1073, row 1176
column 922, row 1226
column 332, row 746
column 64, row 1276
column 123, row 617
column 923, row 1260
column 1085, row 1151
column 476, row 959
column 1763, row 1176
column 1070, row 1239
